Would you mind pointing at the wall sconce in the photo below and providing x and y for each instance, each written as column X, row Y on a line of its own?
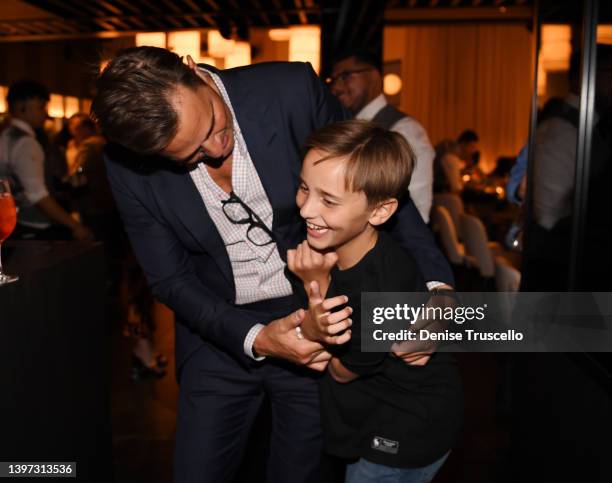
column 392, row 84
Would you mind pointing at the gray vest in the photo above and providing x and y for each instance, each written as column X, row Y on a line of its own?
column 28, row 213
column 388, row 116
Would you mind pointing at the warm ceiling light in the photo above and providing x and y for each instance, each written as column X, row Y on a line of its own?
column 218, row 46
column 305, row 45
column 56, row 106
column 3, row 93
column 604, row 34
column 556, row 47
column 71, row 106
column 185, row 43
column 208, row 60
column 239, row 56
column 279, row 35
column 151, row 39
column 392, row 84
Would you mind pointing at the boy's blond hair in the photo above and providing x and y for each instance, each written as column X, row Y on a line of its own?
column 378, row 162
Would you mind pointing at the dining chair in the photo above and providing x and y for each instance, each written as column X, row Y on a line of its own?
column 443, row 224
column 454, row 204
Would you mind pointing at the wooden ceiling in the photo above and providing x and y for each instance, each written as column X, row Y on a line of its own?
column 74, row 17
column 46, row 19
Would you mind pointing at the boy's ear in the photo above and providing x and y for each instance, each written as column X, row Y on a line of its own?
column 383, row 211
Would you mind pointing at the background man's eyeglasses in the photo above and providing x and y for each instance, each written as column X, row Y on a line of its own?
column 238, row 212
column 344, row 75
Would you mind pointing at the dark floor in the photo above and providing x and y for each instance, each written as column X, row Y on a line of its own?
column 144, row 412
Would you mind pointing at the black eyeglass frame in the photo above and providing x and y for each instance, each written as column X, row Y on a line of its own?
column 330, row 81
column 253, row 220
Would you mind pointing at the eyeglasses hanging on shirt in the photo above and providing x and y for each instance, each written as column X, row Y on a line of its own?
column 239, row 213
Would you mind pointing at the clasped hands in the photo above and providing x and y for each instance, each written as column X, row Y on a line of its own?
column 318, row 325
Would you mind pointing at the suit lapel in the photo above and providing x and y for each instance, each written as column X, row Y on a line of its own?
column 190, row 211
column 259, row 120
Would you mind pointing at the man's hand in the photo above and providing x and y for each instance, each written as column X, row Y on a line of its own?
column 321, row 324
column 320, row 362
column 280, row 339
column 310, row 265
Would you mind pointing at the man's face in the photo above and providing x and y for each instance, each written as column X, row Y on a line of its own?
column 34, row 112
column 335, row 216
column 355, row 84
column 205, row 127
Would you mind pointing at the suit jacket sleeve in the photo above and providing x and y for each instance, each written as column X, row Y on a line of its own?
column 170, row 270
column 411, row 232
column 325, row 108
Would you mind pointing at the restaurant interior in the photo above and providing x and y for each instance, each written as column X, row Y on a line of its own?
column 484, row 78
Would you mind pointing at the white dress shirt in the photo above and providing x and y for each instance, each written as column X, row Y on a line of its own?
column 24, row 158
column 421, row 183
column 555, row 168
column 258, row 271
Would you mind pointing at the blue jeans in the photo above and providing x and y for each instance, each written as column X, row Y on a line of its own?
column 363, row 471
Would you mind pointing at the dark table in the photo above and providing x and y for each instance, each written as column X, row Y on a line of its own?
column 54, row 357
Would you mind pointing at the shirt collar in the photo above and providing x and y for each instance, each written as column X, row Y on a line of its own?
column 24, row 126
column 372, row 108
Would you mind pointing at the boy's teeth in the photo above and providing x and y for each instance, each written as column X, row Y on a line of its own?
column 315, row 227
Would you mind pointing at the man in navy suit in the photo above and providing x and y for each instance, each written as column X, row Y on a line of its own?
column 204, row 166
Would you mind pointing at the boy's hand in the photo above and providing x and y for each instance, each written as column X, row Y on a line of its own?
column 322, row 325
column 310, row 265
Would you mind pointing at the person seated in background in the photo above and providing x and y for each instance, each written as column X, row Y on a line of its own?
column 22, row 160
column 356, row 81
column 447, row 168
column 467, row 150
column 392, row 422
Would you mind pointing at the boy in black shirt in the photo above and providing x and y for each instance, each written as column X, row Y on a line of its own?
column 394, row 422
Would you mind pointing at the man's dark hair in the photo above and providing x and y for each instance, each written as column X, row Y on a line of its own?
column 24, row 90
column 362, row 55
column 468, row 136
column 133, row 105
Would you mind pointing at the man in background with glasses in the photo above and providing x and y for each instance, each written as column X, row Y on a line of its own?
column 357, row 81
column 204, row 165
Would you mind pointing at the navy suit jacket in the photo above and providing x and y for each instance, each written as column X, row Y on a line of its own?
column 277, row 105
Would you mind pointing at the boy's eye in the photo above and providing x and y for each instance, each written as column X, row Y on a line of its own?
column 303, row 188
column 327, row 202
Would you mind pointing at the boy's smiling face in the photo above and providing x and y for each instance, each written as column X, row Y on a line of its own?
column 336, row 217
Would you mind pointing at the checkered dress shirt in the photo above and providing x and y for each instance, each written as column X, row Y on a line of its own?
column 258, row 270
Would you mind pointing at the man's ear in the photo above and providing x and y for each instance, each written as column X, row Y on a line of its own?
column 194, row 67
column 383, row 211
